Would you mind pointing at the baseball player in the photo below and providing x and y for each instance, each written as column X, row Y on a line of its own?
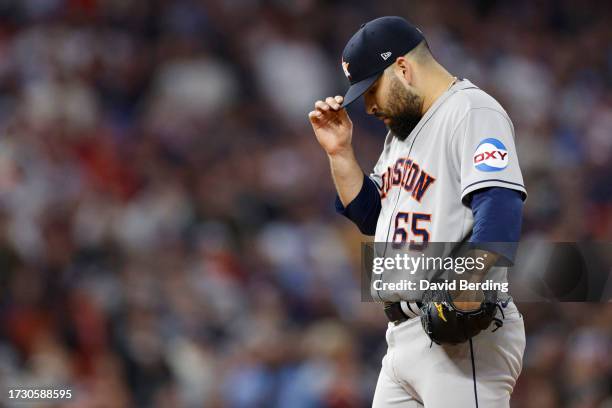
column 448, row 172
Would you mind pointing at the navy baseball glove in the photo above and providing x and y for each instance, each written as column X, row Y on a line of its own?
column 444, row 323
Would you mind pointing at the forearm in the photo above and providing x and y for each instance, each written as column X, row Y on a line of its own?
column 497, row 221
column 347, row 175
column 471, row 299
column 358, row 198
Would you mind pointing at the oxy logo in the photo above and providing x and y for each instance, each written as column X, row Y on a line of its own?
column 490, row 155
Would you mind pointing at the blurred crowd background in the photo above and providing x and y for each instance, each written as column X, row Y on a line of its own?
column 167, row 228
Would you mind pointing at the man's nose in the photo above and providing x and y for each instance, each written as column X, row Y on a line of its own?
column 370, row 105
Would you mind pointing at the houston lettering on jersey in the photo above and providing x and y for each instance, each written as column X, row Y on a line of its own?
column 408, row 175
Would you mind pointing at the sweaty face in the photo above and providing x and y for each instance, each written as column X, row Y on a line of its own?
column 401, row 109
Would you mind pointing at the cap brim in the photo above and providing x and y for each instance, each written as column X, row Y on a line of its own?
column 358, row 89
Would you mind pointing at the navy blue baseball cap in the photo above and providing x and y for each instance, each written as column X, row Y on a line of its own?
column 373, row 48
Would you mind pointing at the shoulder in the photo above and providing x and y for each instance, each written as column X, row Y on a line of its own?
column 471, row 107
column 471, row 100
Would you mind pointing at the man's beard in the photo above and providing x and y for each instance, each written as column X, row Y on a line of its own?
column 404, row 110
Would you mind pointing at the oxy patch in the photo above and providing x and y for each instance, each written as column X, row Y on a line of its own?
column 490, row 155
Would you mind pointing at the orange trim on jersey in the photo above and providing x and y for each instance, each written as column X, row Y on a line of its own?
column 416, row 217
column 407, row 166
column 421, row 186
column 410, row 180
column 383, row 189
column 397, row 172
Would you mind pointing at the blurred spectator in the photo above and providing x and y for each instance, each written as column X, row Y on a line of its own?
column 167, row 235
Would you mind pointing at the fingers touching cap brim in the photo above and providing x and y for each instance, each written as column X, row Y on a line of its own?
column 358, row 89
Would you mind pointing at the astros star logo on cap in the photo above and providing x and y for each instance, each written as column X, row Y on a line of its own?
column 345, row 66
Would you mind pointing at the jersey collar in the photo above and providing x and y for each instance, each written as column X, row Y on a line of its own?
column 458, row 86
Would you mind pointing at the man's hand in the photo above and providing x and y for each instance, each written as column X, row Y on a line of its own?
column 470, row 304
column 334, row 131
column 332, row 126
column 468, row 300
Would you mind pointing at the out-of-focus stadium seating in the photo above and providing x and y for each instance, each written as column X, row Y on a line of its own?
column 167, row 232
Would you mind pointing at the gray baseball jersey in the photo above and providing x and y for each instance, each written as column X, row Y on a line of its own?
column 464, row 142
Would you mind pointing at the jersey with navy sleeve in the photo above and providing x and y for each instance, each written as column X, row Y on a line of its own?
column 463, row 143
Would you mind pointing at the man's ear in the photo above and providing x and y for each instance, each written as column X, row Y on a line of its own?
column 403, row 69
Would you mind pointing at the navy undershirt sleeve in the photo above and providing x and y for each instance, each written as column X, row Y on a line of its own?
column 498, row 214
column 364, row 209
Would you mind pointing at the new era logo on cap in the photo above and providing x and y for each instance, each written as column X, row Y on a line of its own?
column 386, row 55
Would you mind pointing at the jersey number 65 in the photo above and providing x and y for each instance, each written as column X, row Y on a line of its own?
column 403, row 220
